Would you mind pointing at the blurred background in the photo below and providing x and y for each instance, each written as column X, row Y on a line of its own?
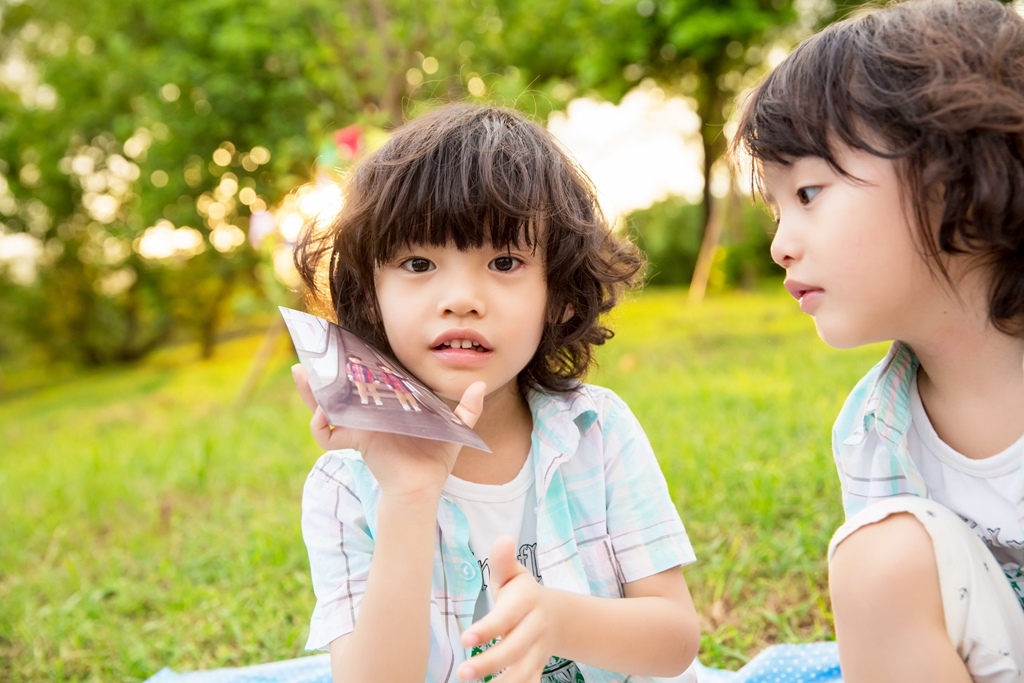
column 158, row 157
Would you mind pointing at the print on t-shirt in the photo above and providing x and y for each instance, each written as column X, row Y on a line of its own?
column 557, row 670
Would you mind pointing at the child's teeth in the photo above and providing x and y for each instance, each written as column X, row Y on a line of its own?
column 461, row 344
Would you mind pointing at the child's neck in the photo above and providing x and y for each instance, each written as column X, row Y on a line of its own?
column 506, row 425
column 972, row 386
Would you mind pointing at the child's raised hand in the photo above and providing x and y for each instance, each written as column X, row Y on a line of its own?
column 519, row 617
column 319, row 425
column 401, row 464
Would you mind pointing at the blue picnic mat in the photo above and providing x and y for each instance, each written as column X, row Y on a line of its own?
column 807, row 663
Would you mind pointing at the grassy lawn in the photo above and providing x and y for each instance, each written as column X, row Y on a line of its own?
column 149, row 516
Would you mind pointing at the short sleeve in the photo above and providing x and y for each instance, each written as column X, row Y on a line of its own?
column 647, row 534
column 336, row 530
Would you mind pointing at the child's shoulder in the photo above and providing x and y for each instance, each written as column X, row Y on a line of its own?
column 586, row 409
column 599, row 394
column 582, row 399
column 344, row 467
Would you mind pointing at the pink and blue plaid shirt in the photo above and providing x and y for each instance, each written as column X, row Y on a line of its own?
column 604, row 518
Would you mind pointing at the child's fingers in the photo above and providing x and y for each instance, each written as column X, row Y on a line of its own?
column 472, row 404
column 302, row 384
column 321, row 428
column 497, row 623
column 509, row 608
column 518, row 656
column 502, row 562
column 515, row 604
column 517, row 617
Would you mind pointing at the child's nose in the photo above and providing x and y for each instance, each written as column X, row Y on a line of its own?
column 785, row 248
column 461, row 296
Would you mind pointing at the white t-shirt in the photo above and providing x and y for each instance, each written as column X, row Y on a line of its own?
column 494, row 510
column 984, row 492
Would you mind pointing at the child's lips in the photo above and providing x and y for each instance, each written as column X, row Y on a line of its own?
column 457, row 339
column 457, row 356
column 809, row 296
column 799, row 290
column 461, row 347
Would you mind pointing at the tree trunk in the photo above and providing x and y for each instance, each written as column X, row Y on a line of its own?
column 713, row 141
column 706, row 255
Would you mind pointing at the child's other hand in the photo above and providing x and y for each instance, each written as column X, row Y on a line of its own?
column 319, row 425
column 401, row 464
column 519, row 617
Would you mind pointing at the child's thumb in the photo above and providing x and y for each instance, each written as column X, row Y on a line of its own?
column 502, row 562
column 472, row 404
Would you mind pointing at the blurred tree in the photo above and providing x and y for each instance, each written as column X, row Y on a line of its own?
column 139, row 139
column 668, row 232
column 701, row 49
column 704, row 50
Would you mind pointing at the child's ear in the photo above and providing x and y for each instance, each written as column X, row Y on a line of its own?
column 567, row 313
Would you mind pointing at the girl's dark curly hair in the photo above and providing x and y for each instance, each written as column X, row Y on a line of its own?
column 472, row 176
column 938, row 87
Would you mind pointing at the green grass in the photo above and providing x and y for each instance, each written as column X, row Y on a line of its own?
column 150, row 518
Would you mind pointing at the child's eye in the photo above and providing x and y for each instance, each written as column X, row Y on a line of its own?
column 416, row 265
column 505, row 264
column 806, row 194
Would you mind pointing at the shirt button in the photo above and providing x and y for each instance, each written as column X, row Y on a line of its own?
column 467, row 570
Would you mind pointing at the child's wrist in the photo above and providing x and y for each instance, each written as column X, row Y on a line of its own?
column 548, row 602
column 423, row 498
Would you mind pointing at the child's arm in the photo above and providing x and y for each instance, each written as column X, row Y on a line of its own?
column 395, row 606
column 652, row 631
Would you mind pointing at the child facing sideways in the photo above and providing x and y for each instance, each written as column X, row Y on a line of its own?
column 890, row 148
column 472, row 249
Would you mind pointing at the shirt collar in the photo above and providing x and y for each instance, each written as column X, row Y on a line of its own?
column 559, row 422
column 560, row 418
column 888, row 404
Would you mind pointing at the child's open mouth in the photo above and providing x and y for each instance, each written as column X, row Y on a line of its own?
column 461, row 344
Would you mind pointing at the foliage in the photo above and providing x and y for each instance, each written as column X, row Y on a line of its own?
column 669, row 233
column 156, row 523
column 707, row 51
column 125, row 122
column 120, row 118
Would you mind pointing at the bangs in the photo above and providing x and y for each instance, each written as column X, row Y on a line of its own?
column 459, row 206
column 807, row 103
column 477, row 189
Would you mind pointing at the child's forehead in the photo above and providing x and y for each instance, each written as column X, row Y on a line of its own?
column 525, row 237
column 435, row 250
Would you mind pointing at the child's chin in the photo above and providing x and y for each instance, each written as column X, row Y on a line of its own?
column 449, row 396
column 843, row 339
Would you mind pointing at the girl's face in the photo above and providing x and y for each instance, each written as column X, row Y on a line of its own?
column 849, row 251
column 455, row 317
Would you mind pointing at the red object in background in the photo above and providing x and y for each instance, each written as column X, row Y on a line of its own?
column 348, row 140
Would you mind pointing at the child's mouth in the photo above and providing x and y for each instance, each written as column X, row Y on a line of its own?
column 461, row 344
